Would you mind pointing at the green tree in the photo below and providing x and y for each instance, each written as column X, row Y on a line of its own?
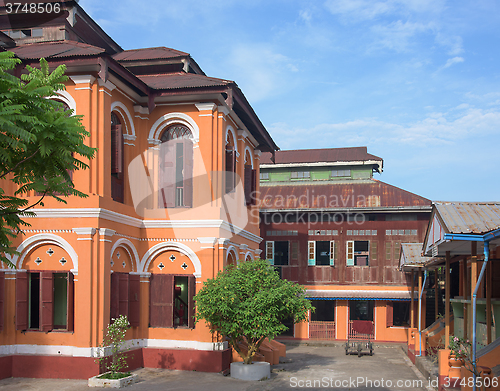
column 39, row 144
column 250, row 302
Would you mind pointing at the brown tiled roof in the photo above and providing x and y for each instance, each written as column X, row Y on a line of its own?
column 56, row 49
column 179, row 80
column 364, row 194
column 319, row 155
column 149, row 54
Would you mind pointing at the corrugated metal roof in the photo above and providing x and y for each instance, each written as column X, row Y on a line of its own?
column 149, row 54
column 319, row 155
column 469, row 217
column 346, row 195
column 179, row 80
column 56, row 49
column 411, row 255
column 364, row 294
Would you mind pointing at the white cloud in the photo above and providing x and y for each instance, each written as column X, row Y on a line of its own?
column 397, row 35
column 451, row 61
column 453, row 42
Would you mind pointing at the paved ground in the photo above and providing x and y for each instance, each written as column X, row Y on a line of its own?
column 328, row 366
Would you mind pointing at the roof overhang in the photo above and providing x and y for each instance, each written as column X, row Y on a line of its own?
column 355, row 294
column 377, row 163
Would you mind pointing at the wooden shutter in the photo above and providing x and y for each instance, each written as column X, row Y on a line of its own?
column 188, row 173
column 161, row 311
column 230, row 166
column 270, row 252
column 70, row 314
column 294, row 250
column 253, row 189
column 191, row 304
column 332, row 253
column 373, row 250
column 2, row 294
column 116, row 149
column 350, row 253
column 123, row 294
column 311, row 251
column 133, row 300
column 21, row 300
column 46, row 301
column 114, row 296
column 390, row 313
column 166, row 175
column 248, row 185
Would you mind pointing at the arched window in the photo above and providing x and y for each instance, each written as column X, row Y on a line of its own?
column 250, row 183
column 230, row 163
column 176, row 167
column 117, row 182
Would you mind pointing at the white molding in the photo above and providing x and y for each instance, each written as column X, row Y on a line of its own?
column 141, row 110
column 208, row 106
column 258, row 153
column 110, row 86
column 322, row 164
column 106, row 232
column 66, row 97
column 128, row 246
column 123, row 111
column 171, row 118
column 223, row 109
column 167, row 246
column 83, row 231
column 247, row 148
column 82, row 79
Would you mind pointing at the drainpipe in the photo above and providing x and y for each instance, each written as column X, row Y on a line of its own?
column 420, row 313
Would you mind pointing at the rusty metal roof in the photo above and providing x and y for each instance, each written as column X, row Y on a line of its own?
column 56, row 49
column 160, row 52
column 179, row 80
column 319, row 155
column 370, row 193
column 411, row 256
column 359, row 294
column 469, row 217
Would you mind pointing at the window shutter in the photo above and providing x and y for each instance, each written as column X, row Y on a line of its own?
column 311, row 250
column 116, row 149
column 191, row 305
column 253, row 189
column 114, row 296
column 21, row 300
column 161, row 300
column 373, row 250
column 123, row 293
column 390, row 313
column 248, row 185
column 270, row 252
column 166, row 175
column 46, row 301
column 230, row 166
column 294, row 250
column 188, row 173
column 133, row 300
column 70, row 314
column 2, row 294
column 350, row 253
column 332, row 253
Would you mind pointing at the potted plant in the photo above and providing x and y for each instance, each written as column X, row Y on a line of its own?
column 248, row 303
column 457, row 356
column 116, row 360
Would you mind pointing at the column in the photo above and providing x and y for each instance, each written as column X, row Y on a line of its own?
column 473, row 278
column 412, row 300
column 103, row 280
column 447, row 302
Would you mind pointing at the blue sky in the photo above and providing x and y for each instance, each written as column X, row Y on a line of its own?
column 416, row 81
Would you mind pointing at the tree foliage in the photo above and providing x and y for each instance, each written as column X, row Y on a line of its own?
column 39, row 144
column 250, row 302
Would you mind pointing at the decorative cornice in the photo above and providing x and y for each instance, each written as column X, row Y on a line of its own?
column 141, row 109
column 82, row 79
column 223, row 109
column 110, row 86
column 205, row 106
column 84, row 231
column 106, row 232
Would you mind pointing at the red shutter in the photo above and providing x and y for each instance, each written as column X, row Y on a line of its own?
column 248, row 185
column 253, row 190
column 133, row 300
column 166, row 177
column 70, row 314
column 46, row 301
column 161, row 311
column 390, row 313
column 123, row 294
column 188, row 173
column 2, row 287
column 230, row 165
column 116, row 149
column 191, row 305
column 114, row 296
column 21, row 300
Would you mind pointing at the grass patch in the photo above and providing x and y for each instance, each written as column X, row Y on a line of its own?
column 115, row 376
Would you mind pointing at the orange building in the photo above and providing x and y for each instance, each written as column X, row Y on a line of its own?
column 169, row 205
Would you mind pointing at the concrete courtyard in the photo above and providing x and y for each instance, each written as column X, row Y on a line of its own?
column 305, row 367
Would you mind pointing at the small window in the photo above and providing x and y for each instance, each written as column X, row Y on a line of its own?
column 300, row 174
column 397, row 249
column 270, row 252
column 341, row 173
column 281, row 253
column 398, row 313
column 264, row 176
column 388, row 251
column 357, row 253
column 325, row 310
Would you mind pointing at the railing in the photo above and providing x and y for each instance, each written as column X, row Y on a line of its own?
column 357, row 333
column 322, row 330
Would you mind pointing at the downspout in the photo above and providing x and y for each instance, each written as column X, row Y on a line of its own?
column 474, row 299
column 420, row 313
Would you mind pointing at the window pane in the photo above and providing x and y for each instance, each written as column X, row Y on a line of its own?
column 323, row 253
column 281, row 252
column 60, row 300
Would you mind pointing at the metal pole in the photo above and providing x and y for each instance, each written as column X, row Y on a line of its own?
column 474, row 297
column 420, row 313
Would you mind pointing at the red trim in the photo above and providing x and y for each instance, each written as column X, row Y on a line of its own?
column 186, row 359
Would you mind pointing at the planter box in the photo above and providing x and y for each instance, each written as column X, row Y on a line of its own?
column 259, row 370
column 97, row 381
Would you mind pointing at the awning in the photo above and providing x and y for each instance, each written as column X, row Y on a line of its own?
column 359, row 295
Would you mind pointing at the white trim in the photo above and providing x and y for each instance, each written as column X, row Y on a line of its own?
column 106, row 92
column 171, row 118
column 40, row 239
column 205, row 106
column 82, row 79
column 322, row 164
column 66, row 97
column 232, row 249
column 166, row 246
column 247, row 148
column 107, row 84
column 141, row 110
column 119, row 106
column 248, row 254
column 359, row 294
column 229, row 128
column 223, row 109
column 257, row 153
column 83, row 88
column 128, row 246
column 106, row 232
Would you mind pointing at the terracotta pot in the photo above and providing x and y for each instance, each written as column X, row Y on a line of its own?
column 455, row 366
